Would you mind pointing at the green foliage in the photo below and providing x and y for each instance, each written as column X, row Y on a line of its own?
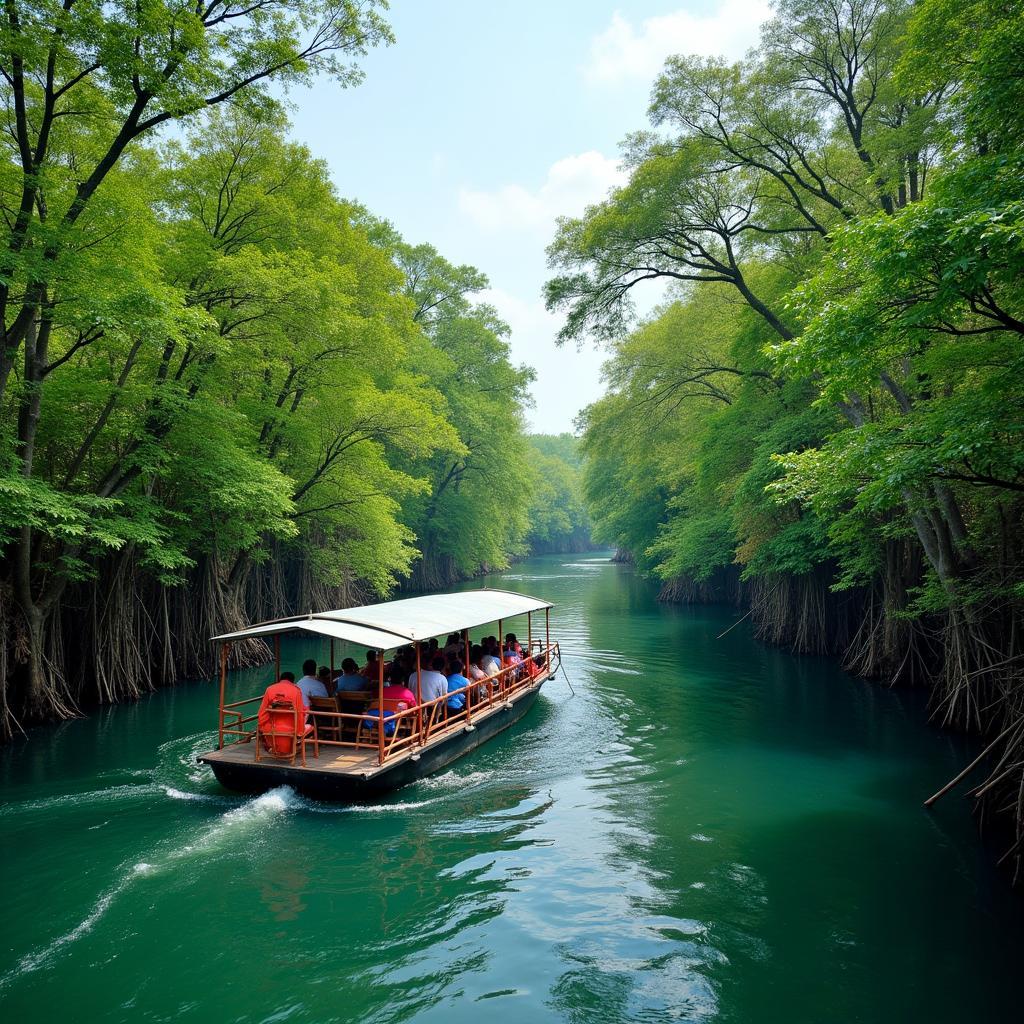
column 855, row 186
column 209, row 357
column 557, row 515
column 681, row 453
column 473, row 509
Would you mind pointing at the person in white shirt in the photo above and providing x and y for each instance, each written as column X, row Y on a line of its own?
column 490, row 661
column 309, row 684
column 477, row 673
column 433, row 683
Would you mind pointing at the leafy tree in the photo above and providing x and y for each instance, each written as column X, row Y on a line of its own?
column 856, row 184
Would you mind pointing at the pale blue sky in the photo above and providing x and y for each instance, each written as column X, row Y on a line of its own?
column 486, row 120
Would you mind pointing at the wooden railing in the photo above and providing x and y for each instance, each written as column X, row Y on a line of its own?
column 414, row 726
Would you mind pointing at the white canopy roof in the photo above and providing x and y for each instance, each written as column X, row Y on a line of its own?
column 396, row 623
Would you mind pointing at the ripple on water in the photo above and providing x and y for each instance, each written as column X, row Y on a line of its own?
column 222, row 831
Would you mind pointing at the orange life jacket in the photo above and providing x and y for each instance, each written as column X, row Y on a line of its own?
column 278, row 715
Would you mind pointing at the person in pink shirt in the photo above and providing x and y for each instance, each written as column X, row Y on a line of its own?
column 395, row 691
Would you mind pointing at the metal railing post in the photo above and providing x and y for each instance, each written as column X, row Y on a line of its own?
column 547, row 641
column 380, row 708
column 419, row 692
column 224, row 648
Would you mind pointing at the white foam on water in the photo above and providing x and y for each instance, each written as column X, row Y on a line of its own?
column 699, row 837
column 408, row 805
column 255, row 811
column 33, row 961
column 455, row 780
column 204, row 798
column 246, row 815
column 108, row 795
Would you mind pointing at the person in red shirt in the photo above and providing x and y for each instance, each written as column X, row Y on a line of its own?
column 282, row 711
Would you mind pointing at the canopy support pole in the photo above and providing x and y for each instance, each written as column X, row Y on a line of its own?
column 419, row 693
column 547, row 640
column 332, row 662
column 380, row 708
column 529, row 635
column 502, row 679
column 224, row 648
column 465, row 672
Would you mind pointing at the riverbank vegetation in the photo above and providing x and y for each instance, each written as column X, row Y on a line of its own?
column 226, row 392
column 823, row 419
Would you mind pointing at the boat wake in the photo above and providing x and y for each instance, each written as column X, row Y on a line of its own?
column 225, row 829
column 201, row 798
column 111, row 793
column 454, row 780
column 33, row 961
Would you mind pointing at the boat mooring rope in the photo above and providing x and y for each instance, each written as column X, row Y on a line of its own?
column 566, row 676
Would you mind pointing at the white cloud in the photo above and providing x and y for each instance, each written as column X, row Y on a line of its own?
column 567, row 380
column 526, row 318
column 570, row 185
column 624, row 51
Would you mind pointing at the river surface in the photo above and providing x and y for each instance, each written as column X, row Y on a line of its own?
column 710, row 830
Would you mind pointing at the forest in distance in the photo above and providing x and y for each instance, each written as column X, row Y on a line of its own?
column 228, row 392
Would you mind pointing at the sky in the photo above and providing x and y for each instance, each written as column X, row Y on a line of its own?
column 487, row 119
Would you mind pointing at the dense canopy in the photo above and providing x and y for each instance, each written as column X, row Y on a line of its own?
column 824, row 418
column 226, row 392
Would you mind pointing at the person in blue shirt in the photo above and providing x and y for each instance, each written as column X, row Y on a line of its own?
column 456, row 681
column 350, row 679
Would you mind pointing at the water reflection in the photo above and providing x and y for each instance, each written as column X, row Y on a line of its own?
column 709, row 830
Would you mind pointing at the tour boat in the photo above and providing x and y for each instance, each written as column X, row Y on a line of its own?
column 339, row 750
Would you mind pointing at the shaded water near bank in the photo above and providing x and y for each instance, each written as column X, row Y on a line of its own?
column 710, row 830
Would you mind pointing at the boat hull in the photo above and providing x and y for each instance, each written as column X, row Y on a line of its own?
column 257, row 777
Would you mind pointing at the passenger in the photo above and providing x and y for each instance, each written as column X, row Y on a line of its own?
column 400, row 692
column 309, row 684
column 433, row 683
column 350, row 679
column 323, row 673
column 371, row 669
column 456, row 681
column 397, row 681
column 476, row 670
column 424, row 653
column 489, row 662
column 511, row 641
column 278, row 715
column 476, row 674
column 496, row 651
column 453, row 648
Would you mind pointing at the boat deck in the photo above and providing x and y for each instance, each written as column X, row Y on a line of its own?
column 362, row 763
column 344, row 760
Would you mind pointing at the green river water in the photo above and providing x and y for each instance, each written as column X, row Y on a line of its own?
column 710, row 830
